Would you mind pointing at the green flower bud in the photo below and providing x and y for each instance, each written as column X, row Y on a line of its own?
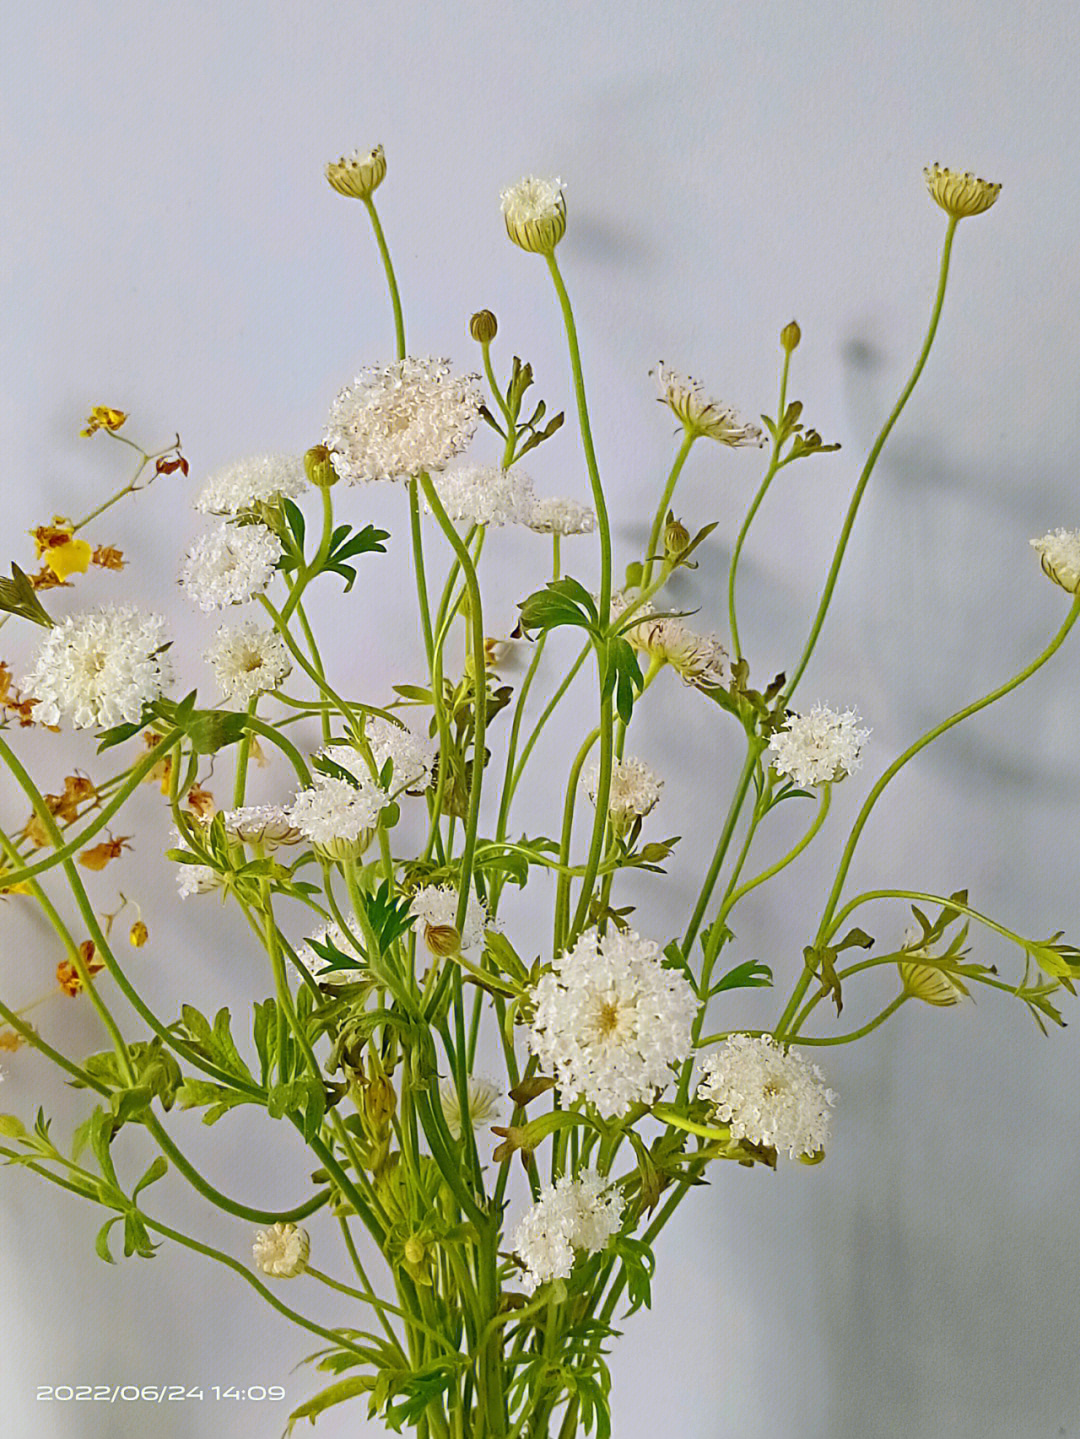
column 319, row 467
column 790, row 336
column 359, row 174
column 483, row 327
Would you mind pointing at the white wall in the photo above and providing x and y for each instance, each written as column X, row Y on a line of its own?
column 170, row 246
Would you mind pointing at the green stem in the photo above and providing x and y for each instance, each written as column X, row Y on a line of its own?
column 658, row 520
column 395, row 298
column 865, row 1029
column 753, row 753
column 871, row 461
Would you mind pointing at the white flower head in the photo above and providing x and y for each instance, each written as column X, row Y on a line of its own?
column 820, row 747
column 282, row 1251
column 483, row 1103
column 266, row 824
column 699, row 414
column 699, row 660
column 338, row 816
column 610, row 1021
column 1059, row 555
column 635, row 791
column 196, row 879
column 397, row 420
column 248, row 660
column 768, row 1095
column 100, row 668
column 347, row 945
column 553, row 516
column 257, row 480
column 435, row 907
column 413, row 755
column 535, row 213
column 485, row 495
column 230, row 565
column 578, row 1214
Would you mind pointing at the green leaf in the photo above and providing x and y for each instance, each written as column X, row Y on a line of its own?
column 294, row 518
column 101, row 1243
column 749, row 975
column 11, row 1127
column 157, row 1170
column 136, row 1239
column 338, row 1393
column 17, row 597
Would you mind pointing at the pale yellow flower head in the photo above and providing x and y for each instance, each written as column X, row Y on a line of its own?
column 960, row 193
column 358, row 175
column 535, row 214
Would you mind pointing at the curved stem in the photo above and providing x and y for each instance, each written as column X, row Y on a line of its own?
column 658, row 520
column 871, row 461
column 391, row 281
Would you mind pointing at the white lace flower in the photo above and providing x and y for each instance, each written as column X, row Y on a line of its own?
column 259, row 479
column 820, row 747
column 400, row 419
column 483, row 1103
column 335, row 936
column 265, row 824
column 699, row 660
column 701, row 415
column 248, row 660
column 435, row 907
column 336, row 815
column 768, row 1095
column 99, row 668
column 554, row 516
column 230, row 565
column 413, row 755
column 196, row 879
column 1059, row 555
column 484, row 495
column 574, row 1214
column 535, row 213
column 282, row 1251
column 610, row 1021
column 635, row 790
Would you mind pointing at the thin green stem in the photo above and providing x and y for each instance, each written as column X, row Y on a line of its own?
column 871, row 461
column 391, row 281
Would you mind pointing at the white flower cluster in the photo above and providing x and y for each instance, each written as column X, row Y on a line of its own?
column 532, row 199
column 1059, row 555
column 701, row 415
column 317, row 967
column 574, row 1214
column 768, row 1095
column 435, row 907
column 820, row 747
column 259, row 479
column 610, row 1021
column 635, row 790
column 230, row 565
column 699, row 660
column 265, row 824
column 483, row 1103
column 555, row 516
column 99, row 668
column 248, row 660
column 336, row 814
column 193, row 878
column 413, row 755
column 282, row 1251
column 485, row 495
column 400, row 419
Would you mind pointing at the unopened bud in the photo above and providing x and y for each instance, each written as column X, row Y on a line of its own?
column 138, row 934
column 358, row 174
column 380, row 1101
column 319, row 467
column 483, row 327
column 414, row 1250
column 443, row 940
column 790, row 336
column 676, row 537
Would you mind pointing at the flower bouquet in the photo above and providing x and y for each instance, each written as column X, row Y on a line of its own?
column 486, row 1236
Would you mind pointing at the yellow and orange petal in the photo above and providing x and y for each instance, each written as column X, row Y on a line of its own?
column 104, row 417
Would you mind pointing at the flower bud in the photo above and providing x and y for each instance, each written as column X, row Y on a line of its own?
column 282, row 1251
column 959, row 193
column 535, row 214
column 414, row 1250
column 790, row 336
column 483, row 327
column 676, row 537
column 319, row 467
column 1059, row 554
column 359, row 174
column 379, row 1101
column 138, row 934
column 343, row 848
column 443, row 940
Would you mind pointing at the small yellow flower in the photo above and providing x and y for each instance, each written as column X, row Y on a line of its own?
column 359, row 174
column 104, row 417
column 71, row 557
column 959, row 193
